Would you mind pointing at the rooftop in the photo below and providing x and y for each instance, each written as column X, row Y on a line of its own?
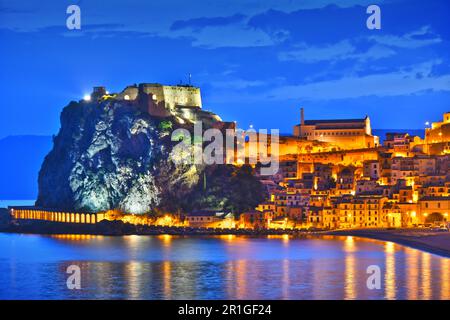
column 334, row 121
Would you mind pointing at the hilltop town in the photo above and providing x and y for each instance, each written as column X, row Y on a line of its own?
column 350, row 180
column 333, row 173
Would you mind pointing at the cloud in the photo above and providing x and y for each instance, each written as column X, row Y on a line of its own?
column 238, row 84
column 382, row 47
column 415, row 39
column 375, row 52
column 404, row 82
column 148, row 16
column 219, row 32
column 9, row 10
column 309, row 54
column 342, row 50
column 199, row 23
column 226, row 36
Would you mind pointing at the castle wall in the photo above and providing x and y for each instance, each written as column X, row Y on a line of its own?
column 173, row 96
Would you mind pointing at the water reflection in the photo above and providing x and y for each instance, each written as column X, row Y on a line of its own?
column 350, row 268
column 412, row 273
column 167, row 269
column 445, row 279
column 225, row 267
column 426, row 275
column 390, row 273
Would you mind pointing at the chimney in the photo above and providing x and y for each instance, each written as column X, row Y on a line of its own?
column 302, row 117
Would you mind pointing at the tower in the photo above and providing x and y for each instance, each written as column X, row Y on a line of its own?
column 302, row 117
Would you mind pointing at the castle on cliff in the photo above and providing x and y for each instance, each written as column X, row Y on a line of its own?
column 181, row 101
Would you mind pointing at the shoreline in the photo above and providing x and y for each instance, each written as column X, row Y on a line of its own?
column 435, row 242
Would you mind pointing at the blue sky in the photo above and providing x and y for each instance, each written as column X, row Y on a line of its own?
column 257, row 61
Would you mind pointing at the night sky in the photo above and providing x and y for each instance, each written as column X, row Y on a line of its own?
column 256, row 61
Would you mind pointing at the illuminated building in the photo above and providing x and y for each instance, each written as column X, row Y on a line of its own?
column 372, row 169
column 35, row 213
column 255, row 219
column 210, row 219
column 345, row 133
column 437, row 138
column 434, row 209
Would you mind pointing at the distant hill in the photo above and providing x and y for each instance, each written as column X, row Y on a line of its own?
column 21, row 158
column 382, row 132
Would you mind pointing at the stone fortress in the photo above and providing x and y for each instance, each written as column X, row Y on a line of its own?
column 181, row 101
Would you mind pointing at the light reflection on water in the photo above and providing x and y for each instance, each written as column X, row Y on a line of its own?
column 225, row 267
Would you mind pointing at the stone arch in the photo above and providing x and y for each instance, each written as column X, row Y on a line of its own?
column 77, row 218
column 88, row 218
column 435, row 217
column 93, row 219
column 83, row 218
column 72, row 217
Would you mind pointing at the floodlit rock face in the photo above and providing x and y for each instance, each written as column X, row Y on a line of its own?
column 112, row 155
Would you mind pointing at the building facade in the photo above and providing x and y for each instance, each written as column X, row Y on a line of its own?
column 344, row 133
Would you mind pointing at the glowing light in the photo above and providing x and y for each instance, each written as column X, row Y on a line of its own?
column 166, row 238
column 126, row 97
column 228, row 237
column 87, row 97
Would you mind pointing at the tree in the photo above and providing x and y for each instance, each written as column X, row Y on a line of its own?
column 228, row 188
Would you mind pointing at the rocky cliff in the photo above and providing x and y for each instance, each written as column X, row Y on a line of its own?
column 109, row 154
